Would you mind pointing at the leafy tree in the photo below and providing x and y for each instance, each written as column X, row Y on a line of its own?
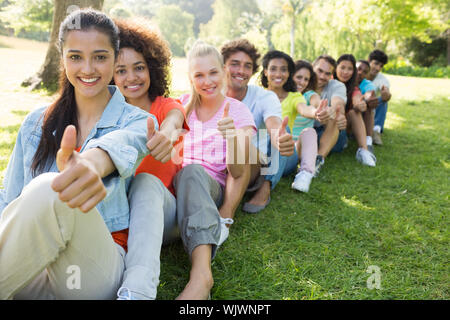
column 176, row 27
column 224, row 25
column 201, row 10
column 29, row 18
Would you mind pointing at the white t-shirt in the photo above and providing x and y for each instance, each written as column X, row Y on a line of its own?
column 263, row 104
column 379, row 81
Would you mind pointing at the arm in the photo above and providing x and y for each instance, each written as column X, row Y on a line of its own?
column 306, row 111
column 79, row 182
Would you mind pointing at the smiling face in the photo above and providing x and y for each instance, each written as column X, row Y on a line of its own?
column 375, row 68
column 301, row 79
column 132, row 75
column 277, row 73
column 207, row 76
column 344, row 71
column 239, row 70
column 88, row 60
column 324, row 71
column 363, row 71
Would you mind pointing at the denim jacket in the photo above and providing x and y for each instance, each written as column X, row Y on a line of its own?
column 121, row 132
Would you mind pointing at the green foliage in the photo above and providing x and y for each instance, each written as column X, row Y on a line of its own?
column 176, row 26
column 426, row 54
column 29, row 18
column 224, row 25
column 401, row 67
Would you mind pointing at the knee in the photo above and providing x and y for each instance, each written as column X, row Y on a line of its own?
column 37, row 198
column 145, row 182
column 309, row 133
column 191, row 173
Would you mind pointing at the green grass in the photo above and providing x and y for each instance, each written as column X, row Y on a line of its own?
column 319, row 245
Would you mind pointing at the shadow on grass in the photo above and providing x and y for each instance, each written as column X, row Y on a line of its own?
column 319, row 245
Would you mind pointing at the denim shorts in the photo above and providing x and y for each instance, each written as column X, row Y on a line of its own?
column 341, row 143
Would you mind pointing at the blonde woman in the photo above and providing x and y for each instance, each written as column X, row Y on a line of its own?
column 216, row 122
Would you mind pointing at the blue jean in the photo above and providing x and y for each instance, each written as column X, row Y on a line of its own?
column 280, row 165
column 152, row 215
column 380, row 113
column 341, row 143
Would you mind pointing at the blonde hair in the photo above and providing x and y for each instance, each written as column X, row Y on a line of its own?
column 199, row 49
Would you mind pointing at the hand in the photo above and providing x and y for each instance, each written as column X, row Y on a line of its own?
column 326, row 113
column 341, row 119
column 385, row 94
column 159, row 145
column 360, row 105
column 285, row 143
column 322, row 105
column 226, row 124
column 79, row 183
column 372, row 100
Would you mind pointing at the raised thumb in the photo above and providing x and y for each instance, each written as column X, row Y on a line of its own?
column 226, row 111
column 150, row 128
column 283, row 125
column 68, row 145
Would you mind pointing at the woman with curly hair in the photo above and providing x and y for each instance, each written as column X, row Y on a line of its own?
column 142, row 75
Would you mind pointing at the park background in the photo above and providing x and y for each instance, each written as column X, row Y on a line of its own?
column 318, row 245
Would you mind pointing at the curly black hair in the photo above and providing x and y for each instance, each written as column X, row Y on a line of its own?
column 155, row 49
column 378, row 55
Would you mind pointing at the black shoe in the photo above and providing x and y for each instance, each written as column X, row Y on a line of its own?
column 319, row 163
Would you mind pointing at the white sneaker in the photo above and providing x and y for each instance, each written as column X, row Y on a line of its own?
column 224, row 230
column 366, row 157
column 302, row 181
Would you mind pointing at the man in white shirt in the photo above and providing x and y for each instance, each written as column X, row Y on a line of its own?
column 241, row 63
column 377, row 59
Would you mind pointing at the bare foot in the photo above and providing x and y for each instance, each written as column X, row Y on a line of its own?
column 262, row 195
column 198, row 287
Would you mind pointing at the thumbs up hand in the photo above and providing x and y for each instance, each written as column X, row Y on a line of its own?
column 321, row 110
column 285, row 141
column 385, row 94
column 325, row 113
column 67, row 147
column 226, row 124
column 159, row 145
column 360, row 104
column 79, row 182
column 341, row 119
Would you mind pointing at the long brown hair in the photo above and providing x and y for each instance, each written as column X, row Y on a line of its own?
column 63, row 111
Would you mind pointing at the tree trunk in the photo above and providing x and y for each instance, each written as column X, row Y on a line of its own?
column 47, row 76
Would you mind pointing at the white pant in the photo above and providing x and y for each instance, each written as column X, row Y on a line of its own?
column 50, row 251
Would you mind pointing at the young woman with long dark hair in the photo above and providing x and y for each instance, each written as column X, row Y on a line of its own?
column 346, row 72
column 64, row 208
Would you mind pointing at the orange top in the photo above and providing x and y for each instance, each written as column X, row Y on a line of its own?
column 165, row 171
column 119, row 237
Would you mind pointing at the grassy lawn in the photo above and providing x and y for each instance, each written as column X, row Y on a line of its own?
column 318, row 245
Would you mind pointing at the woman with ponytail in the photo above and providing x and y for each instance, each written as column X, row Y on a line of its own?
column 64, row 210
